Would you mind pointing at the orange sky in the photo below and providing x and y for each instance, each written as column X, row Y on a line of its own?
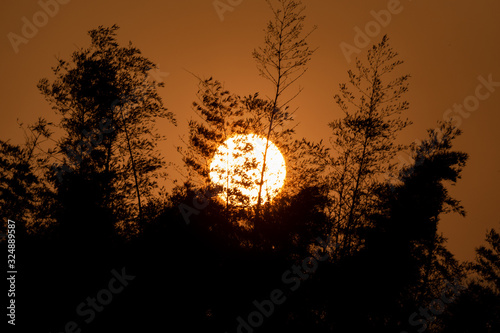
column 446, row 46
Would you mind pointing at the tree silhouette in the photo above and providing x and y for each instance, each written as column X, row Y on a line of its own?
column 109, row 105
column 403, row 263
column 26, row 196
column 363, row 140
column 488, row 262
column 222, row 115
column 282, row 61
column 410, row 236
column 477, row 309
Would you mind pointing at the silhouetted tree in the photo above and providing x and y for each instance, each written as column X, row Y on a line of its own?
column 364, row 140
column 477, row 309
column 402, row 263
column 222, row 115
column 109, row 106
column 488, row 262
column 26, row 196
column 415, row 209
column 282, row 60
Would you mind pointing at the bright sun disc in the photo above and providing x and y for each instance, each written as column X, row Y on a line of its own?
column 237, row 166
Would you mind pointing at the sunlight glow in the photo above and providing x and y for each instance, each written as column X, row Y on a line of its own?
column 237, row 166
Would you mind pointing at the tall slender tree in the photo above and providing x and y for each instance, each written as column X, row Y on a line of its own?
column 364, row 139
column 282, row 60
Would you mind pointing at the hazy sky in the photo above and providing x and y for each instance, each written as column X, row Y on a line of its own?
column 446, row 46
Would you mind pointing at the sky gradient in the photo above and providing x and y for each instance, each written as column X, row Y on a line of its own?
column 446, row 45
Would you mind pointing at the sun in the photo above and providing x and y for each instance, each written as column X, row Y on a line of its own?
column 237, row 166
